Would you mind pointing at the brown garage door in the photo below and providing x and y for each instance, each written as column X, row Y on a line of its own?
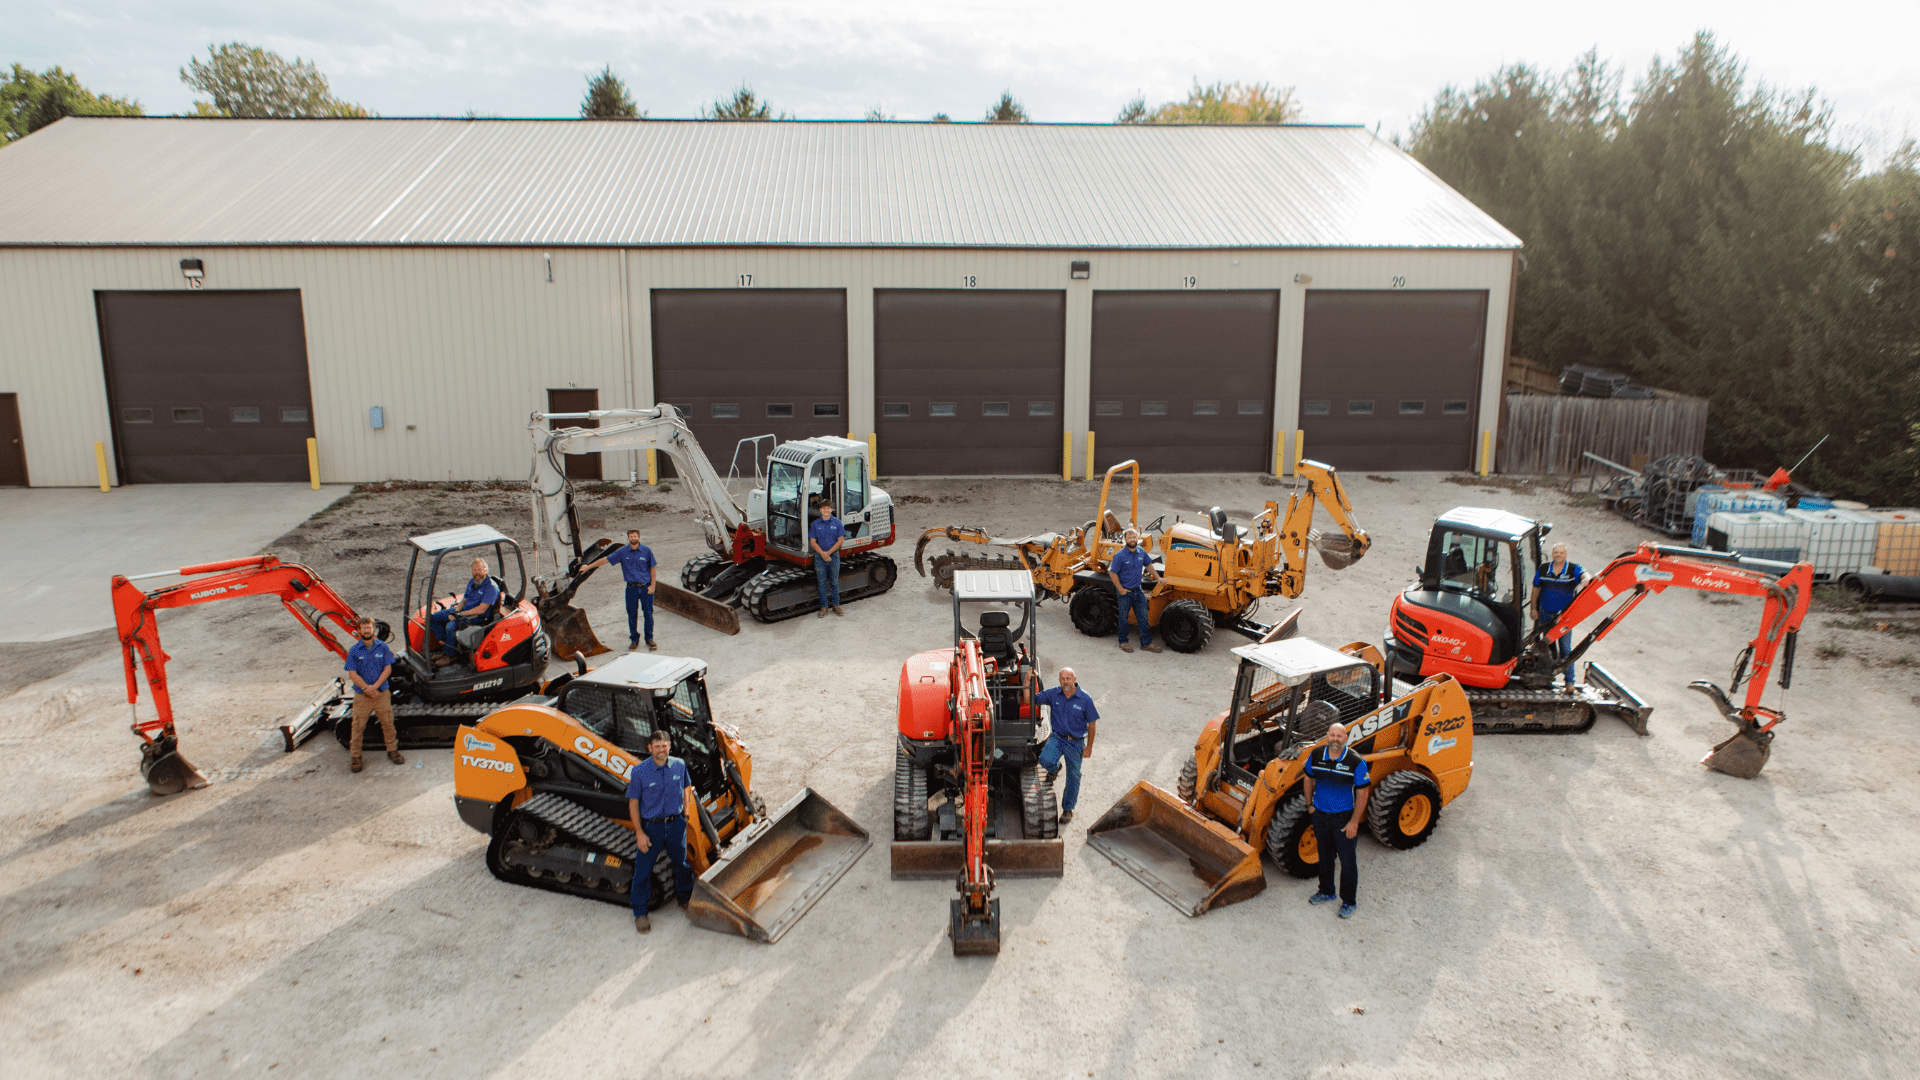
column 1391, row 380
column 1183, row 381
column 207, row 387
column 746, row 362
column 968, row 383
column 13, row 449
column 574, row 400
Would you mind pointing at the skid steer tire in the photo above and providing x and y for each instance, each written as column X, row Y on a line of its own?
column 910, row 818
column 1039, row 809
column 1404, row 809
column 1290, row 840
column 1095, row 611
column 1189, row 786
column 1186, row 626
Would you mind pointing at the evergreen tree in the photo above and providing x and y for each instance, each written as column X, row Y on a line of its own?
column 607, row 99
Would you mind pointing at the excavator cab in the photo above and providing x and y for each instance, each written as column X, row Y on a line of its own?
column 1472, row 592
column 500, row 654
column 807, row 472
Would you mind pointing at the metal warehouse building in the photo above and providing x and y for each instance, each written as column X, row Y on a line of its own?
column 203, row 296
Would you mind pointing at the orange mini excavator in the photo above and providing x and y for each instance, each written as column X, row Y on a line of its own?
column 1464, row 618
column 503, row 654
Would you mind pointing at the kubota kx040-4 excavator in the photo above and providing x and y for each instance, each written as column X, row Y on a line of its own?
column 760, row 556
column 504, row 652
column 1464, row 618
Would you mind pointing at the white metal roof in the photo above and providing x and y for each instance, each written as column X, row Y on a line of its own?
column 1295, row 659
column 1480, row 519
column 180, row 181
column 973, row 586
column 644, row 671
column 461, row 536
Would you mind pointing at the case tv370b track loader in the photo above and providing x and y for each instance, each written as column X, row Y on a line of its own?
column 545, row 779
column 1464, row 617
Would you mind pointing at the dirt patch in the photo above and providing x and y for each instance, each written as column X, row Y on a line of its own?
column 1382, row 479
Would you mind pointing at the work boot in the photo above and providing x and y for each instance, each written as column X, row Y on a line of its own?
column 821, row 614
column 354, row 763
column 634, row 645
column 396, row 757
column 643, row 924
column 1066, row 817
column 1150, row 647
column 651, row 647
column 837, row 611
column 1052, row 776
column 442, row 660
column 1124, row 647
column 684, row 901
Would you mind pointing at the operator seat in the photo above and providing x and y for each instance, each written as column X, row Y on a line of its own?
column 470, row 636
column 995, row 639
column 1224, row 529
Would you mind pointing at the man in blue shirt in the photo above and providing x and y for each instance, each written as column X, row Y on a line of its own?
column 481, row 595
column 657, row 800
column 1130, row 570
column 369, row 663
column 636, row 563
column 1554, row 587
column 1337, row 789
column 1071, row 717
column 825, row 537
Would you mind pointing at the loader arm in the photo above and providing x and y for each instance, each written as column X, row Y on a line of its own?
column 1296, row 528
column 301, row 591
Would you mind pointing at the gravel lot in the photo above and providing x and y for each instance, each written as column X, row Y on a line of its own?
column 1597, row 905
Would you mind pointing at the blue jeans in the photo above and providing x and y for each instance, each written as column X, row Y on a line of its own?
column 445, row 625
column 671, row 836
column 827, row 573
column 1330, row 832
column 1135, row 600
column 1060, row 749
column 638, row 600
column 1564, row 644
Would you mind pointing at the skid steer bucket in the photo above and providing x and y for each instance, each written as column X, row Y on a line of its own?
column 711, row 614
column 1194, row 863
column 777, row 869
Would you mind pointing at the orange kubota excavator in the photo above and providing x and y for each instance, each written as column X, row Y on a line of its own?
column 1463, row 617
column 503, row 653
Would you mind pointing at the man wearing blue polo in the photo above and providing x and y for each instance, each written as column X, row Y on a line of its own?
column 480, row 595
column 1337, row 789
column 1129, row 568
column 369, row 662
column 825, row 537
column 1554, row 587
column 657, row 800
column 636, row 563
column 1072, row 719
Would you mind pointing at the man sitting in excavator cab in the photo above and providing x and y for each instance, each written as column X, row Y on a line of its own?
column 470, row 612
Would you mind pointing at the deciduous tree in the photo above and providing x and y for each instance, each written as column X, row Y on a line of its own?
column 1225, row 103
column 31, row 100
column 245, row 80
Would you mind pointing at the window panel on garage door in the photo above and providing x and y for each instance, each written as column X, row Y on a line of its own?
column 1391, row 380
column 747, row 362
column 1183, row 381
column 207, row 387
column 968, row 383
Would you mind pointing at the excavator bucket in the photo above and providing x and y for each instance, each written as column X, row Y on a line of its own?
column 711, row 614
column 1337, row 550
column 569, row 632
column 167, row 770
column 1746, row 752
column 1194, row 863
column 777, row 869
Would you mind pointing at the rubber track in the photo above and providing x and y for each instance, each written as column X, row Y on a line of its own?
column 753, row 595
column 697, row 567
column 911, row 819
column 1039, row 810
column 582, row 827
column 1559, row 703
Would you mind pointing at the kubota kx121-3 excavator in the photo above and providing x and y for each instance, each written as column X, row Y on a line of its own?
column 760, row 557
column 505, row 652
column 1463, row 617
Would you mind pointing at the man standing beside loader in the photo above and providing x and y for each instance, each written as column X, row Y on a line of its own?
column 369, row 663
column 1129, row 570
column 1073, row 721
column 657, row 801
column 1337, row 788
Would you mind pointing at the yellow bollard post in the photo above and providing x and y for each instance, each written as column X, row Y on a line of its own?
column 1279, row 452
column 1299, row 449
column 653, row 468
column 873, row 452
column 1089, row 455
column 1066, row 455
column 313, row 464
column 100, row 462
column 1486, row 451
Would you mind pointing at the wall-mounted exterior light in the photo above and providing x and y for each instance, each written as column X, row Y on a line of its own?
column 1080, row 271
column 1303, row 279
column 192, row 269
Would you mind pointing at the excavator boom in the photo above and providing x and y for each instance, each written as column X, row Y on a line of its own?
column 1296, row 531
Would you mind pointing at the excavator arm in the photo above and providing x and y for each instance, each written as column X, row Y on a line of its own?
column 976, row 914
column 301, row 591
column 1296, row 528
column 1655, row 568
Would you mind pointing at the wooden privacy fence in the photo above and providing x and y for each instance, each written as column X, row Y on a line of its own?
column 1548, row 434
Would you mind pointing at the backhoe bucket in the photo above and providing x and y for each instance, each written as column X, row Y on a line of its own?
column 569, row 632
column 1194, row 863
column 711, row 614
column 1746, row 752
column 1337, row 551
column 777, row 869
column 168, row 772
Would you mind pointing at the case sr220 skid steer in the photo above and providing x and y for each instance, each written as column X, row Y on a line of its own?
column 546, row 778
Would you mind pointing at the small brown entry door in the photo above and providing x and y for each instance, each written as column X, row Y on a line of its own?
column 579, row 466
column 13, row 448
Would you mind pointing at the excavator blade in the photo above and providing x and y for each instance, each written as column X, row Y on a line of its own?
column 167, row 770
column 1193, row 862
column 711, row 614
column 1337, row 550
column 1745, row 753
column 774, row 871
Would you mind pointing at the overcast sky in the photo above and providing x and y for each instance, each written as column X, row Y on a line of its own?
column 1371, row 63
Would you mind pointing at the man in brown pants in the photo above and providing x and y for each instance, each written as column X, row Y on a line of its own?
column 369, row 663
